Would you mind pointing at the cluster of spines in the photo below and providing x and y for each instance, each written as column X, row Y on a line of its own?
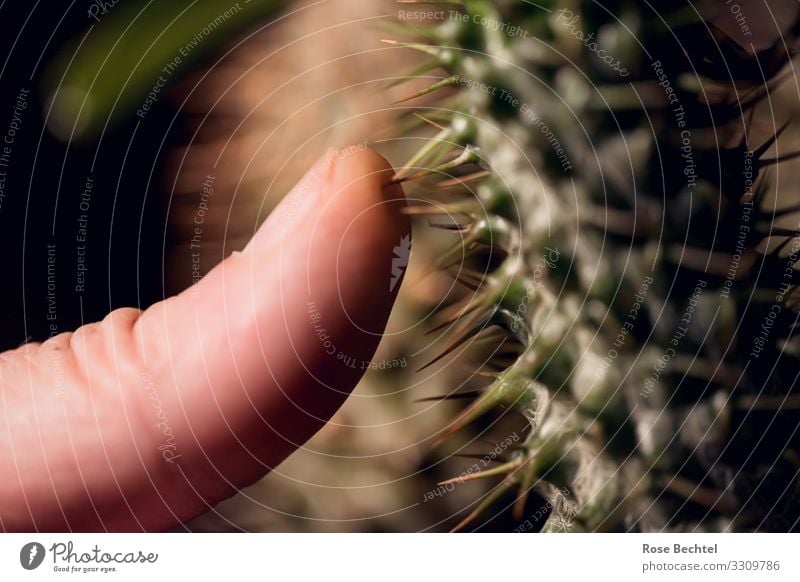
column 567, row 454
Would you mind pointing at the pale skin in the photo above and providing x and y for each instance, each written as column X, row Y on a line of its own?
column 148, row 419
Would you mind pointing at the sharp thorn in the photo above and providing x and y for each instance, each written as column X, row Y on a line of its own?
column 497, row 459
column 762, row 149
column 777, row 403
column 460, row 313
column 505, row 468
column 446, row 82
column 481, row 406
column 438, row 126
column 451, row 227
column 526, row 484
column 454, row 396
column 463, row 337
column 710, row 498
column 490, row 498
column 462, row 180
column 450, row 2
column 414, row 73
column 780, row 159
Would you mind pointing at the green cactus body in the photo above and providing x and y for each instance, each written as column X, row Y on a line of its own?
column 608, row 165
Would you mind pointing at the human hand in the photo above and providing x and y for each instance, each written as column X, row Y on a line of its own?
column 148, row 419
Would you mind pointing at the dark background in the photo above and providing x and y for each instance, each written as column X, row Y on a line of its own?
column 46, row 177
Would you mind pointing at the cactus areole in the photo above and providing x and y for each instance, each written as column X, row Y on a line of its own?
column 619, row 164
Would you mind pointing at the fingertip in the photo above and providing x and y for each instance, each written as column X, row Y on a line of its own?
column 363, row 182
column 360, row 160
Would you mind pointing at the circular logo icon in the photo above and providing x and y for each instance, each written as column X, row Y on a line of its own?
column 31, row 555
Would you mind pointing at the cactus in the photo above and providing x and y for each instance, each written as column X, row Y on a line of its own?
column 611, row 170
